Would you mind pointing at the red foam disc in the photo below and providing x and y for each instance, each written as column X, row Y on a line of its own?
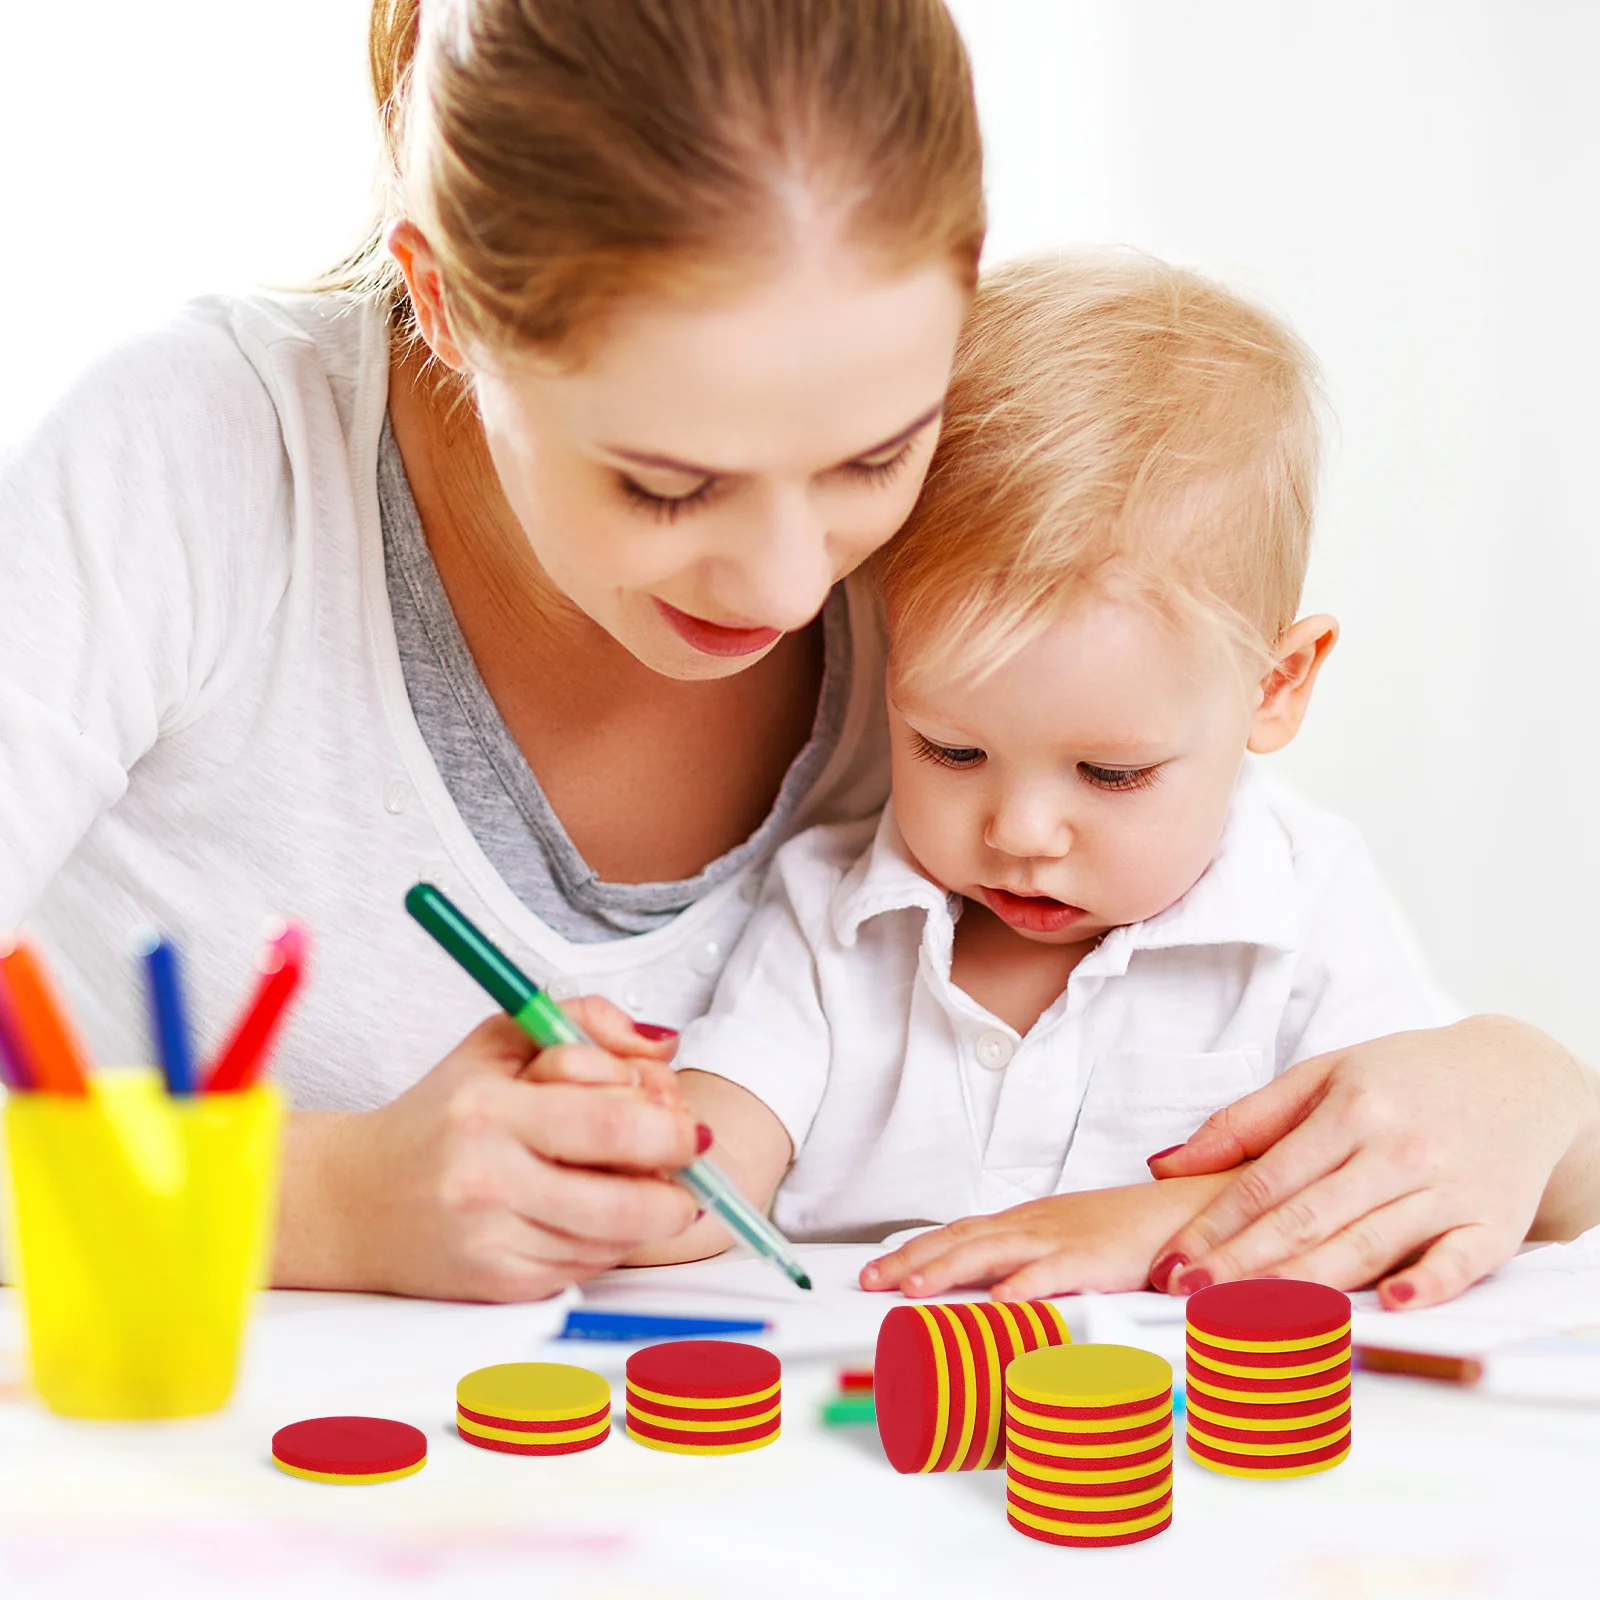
column 1273, row 1413
column 704, row 1369
column 350, row 1446
column 1087, row 1519
column 1081, row 1543
column 1129, row 1436
column 1260, row 1436
column 505, row 1446
column 1045, row 1457
column 1302, row 1458
column 1267, row 1359
column 522, row 1425
column 710, row 1436
column 751, row 1408
column 903, row 1389
column 1151, row 1481
column 1263, row 1309
column 954, row 1339
column 1132, row 1408
column 985, row 1396
column 1268, row 1386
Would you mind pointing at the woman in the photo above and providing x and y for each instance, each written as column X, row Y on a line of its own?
column 518, row 559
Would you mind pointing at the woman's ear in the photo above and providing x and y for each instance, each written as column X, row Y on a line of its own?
column 415, row 255
column 1286, row 689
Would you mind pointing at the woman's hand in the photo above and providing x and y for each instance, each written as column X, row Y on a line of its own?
column 1439, row 1152
column 505, row 1174
column 1102, row 1239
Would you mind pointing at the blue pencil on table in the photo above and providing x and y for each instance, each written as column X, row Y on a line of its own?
column 621, row 1327
column 169, row 1017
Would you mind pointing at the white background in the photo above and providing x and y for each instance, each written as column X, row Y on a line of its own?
column 1412, row 184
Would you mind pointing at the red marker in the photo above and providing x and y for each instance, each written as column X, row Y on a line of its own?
column 51, row 1053
column 241, row 1059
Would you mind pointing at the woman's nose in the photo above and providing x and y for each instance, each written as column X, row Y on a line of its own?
column 782, row 567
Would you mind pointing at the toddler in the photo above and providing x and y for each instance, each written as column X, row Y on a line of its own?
column 1086, row 920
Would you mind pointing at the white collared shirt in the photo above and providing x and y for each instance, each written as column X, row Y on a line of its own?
column 907, row 1101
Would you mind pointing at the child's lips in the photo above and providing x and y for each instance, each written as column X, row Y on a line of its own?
column 1031, row 913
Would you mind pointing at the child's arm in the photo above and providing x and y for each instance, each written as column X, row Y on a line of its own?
column 1103, row 1239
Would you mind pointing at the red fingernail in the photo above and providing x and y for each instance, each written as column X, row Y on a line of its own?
column 702, row 1138
column 1400, row 1291
column 654, row 1031
column 1192, row 1279
column 700, row 1213
column 1160, row 1153
column 1162, row 1271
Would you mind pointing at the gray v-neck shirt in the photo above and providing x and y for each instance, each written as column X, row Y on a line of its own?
column 497, row 792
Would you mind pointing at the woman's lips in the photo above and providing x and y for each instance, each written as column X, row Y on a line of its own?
column 1032, row 913
column 711, row 638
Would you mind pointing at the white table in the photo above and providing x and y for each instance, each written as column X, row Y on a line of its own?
column 1446, row 1495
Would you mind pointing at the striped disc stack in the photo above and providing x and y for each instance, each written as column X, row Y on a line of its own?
column 533, row 1408
column 1269, row 1378
column 938, row 1379
column 704, row 1397
column 1089, row 1445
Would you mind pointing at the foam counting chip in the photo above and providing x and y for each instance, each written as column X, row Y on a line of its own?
column 938, row 1379
column 533, row 1408
column 1268, row 1366
column 350, row 1450
column 704, row 1397
column 1089, row 1445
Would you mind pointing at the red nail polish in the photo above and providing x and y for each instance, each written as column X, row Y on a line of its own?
column 700, row 1213
column 1400, row 1292
column 655, row 1031
column 1161, row 1273
column 1192, row 1279
column 702, row 1138
column 1160, row 1153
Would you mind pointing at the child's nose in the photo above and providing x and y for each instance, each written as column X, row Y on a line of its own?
column 1029, row 825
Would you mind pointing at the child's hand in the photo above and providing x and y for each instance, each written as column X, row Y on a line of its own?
column 504, row 1174
column 1101, row 1239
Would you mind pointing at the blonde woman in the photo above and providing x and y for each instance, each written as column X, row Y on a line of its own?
column 519, row 558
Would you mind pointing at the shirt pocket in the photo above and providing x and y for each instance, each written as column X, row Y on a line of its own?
column 1141, row 1101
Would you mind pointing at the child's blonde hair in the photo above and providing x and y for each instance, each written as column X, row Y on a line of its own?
column 1114, row 426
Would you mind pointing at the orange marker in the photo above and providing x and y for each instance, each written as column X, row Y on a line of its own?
column 55, row 1057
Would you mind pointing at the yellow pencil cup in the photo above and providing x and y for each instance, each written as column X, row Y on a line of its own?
column 139, row 1229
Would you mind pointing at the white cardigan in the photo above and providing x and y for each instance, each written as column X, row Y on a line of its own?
column 203, row 721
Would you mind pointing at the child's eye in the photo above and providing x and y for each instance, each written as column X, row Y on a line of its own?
column 1119, row 778
column 958, row 757
column 667, row 507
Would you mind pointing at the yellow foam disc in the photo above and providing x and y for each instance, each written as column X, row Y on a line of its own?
column 1092, row 1530
column 1308, row 1370
column 1268, row 1424
column 357, row 1477
column 1037, row 1419
column 1090, row 1452
column 992, row 1377
column 678, row 1425
column 1238, row 1447
column 512, row 1436
column 941, row 1384
column 1264, row 1346
column 1088, row 1375
column 1091, row 1502
column 1070, row 1475
column 1267, row 1398
column 533, row 1391
column 689, row 1403
column 703, row 1449
column 1269, row 1472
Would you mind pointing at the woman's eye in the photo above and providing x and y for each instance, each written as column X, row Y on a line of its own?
column 668, row 507
column 1119, row 778
column 958, row 757
column 880, row 471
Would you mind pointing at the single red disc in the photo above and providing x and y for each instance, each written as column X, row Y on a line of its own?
column 572, row 1447
column 704, row 1369
column 708, row 1439
column 1267, row 1359
column 1296, row 1387
column 1128, row 1436
column 1274, row 1413
column 1264, row 1309
column 703, row 1413
column 521, row 1425
column 1043, row 1456
column 1248, row 1437
column 1151, row 1482
column 953, row 1336
column 1081, row 1543
column 1238, row 1458
column 985, row 1401
column 1087, row 1519
column 1132, row 1408
column 350, row 1447
column 905, row 1388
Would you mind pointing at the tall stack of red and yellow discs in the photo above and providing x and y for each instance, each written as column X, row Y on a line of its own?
column 704, row 1397
column 533, row 1408
column 1269, row 1378
column 939, row 1379
column 1089, row 1445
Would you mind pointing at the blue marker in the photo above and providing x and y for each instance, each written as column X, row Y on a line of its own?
column 169, row 1019
column 618, row 1327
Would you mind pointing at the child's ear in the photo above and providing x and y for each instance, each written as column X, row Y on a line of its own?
column 1286, row 689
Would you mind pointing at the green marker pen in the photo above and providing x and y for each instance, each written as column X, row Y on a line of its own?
column 548, row 1025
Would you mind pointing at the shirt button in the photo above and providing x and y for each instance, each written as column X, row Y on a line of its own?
column 437, row 873
column 396, row 798
column 562, row 988
column 707, row 960
column 632, row 1000
column 994, row 1049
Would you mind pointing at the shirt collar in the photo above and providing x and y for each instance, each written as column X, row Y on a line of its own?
column 1245, row 896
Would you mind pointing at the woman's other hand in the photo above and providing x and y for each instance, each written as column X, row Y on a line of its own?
column 1425, row 1156
column 505, row 1174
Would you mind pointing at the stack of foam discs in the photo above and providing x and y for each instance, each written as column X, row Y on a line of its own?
column 704, row 1397
column 350, row 1449
column 938, row 1379
column 1089, row 1445
column 533, row 1408
column 1269, row 1378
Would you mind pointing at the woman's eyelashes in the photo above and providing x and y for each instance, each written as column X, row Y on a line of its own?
column 1119, row 778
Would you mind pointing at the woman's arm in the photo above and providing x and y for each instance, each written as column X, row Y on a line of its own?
column 1426, row 1156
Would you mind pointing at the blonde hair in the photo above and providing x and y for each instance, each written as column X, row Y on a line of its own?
column 1114, row 426
column 562, row 154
